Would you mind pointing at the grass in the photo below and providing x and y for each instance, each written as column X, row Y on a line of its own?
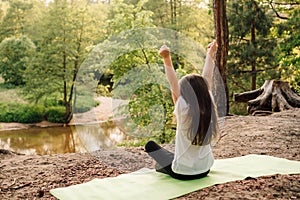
column 8, row 94
column 134, row 142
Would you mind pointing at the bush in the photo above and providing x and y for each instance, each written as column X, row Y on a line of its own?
column 29, row 114
column 22, row 113
column 84, row 104
column 104, row 90
column 16, row 54
column 52, row 102
column 5, row 113
column 238, row 108
column 55, row 114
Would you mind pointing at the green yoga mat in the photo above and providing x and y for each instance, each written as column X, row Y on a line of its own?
column 148, row 184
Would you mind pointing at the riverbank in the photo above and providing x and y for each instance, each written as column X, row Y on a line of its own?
column 99, row 114
column 17, row 126
column 31, row 177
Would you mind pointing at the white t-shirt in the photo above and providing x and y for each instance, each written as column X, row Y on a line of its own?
column 188, row 159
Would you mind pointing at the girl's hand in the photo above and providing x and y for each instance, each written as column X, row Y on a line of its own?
column 164, row 51
column 211, row 48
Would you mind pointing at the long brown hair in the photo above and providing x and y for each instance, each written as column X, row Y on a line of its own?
column 194, row 90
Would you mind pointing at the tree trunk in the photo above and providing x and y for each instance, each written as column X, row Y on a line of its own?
column 273, row 96
column 68, row 115
column 253, row 60
column 172, row 12
column 221, row 34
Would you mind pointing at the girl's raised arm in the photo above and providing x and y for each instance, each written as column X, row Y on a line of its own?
column 164, row 52
column 209, row 66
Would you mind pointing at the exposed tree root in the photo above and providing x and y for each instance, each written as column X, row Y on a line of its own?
column 273, row 96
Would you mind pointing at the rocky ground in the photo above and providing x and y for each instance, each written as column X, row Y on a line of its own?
column 31, row 177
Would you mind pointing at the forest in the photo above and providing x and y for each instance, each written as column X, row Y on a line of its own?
column 45, row 45
column 63, row 60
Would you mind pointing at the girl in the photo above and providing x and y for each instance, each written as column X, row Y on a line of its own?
column 197, row 125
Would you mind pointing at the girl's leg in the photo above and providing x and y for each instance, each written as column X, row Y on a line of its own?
column 164, row 160
column 162, row 156
column 188, row 177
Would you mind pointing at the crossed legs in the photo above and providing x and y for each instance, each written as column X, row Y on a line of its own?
column 164, row 160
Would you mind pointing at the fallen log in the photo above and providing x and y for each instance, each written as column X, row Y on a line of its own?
column 273, row 96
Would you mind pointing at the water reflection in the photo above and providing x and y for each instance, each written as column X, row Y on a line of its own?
column 96, row 137
column 58, row 140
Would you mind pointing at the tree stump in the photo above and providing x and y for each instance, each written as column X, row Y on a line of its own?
column 273, row 96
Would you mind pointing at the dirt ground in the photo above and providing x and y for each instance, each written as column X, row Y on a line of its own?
column 31, row 177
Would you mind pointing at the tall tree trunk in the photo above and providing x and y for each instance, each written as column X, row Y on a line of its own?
column 68, row 115
column 175, row 27
column 175, row 14
column 66, row 102
column 221, row 34
column 172, row 12
column 253, row 64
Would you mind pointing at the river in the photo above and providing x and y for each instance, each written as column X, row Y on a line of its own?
column 59, row 140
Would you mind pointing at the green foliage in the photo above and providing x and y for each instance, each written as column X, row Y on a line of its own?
column 29, row 114
column 49, row 102
column 134, row 142
column 238, row 108
column 289, row 50
column 125, row 16
column 68, row 30
column 1, row 12
column 84, row 103
column 244, row 14
column 148, row 107
column 15, row 56
column 14, row 23
column 274, row 50
column 64, row 32
column 22, row 113
column 186, row 17
column 135, row 78
column 55, row 114
column 195, row 22
column 150, row 104
column 251, row 57
column 105, row 83
column 103, row 90
column 165, row 138
column 10, row 93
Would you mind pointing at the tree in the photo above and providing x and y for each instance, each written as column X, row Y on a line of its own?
column 68, row 31
column 160, row 10
column 282, row 9
column 14, row 22
column 183, row 16
column 251, row 45
column 15, row 56
column 197, row 23
column 221, row 35
column 1, row 12
column 135, row 77
column 140, row 81
column 289, row 50
column 124, row 16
